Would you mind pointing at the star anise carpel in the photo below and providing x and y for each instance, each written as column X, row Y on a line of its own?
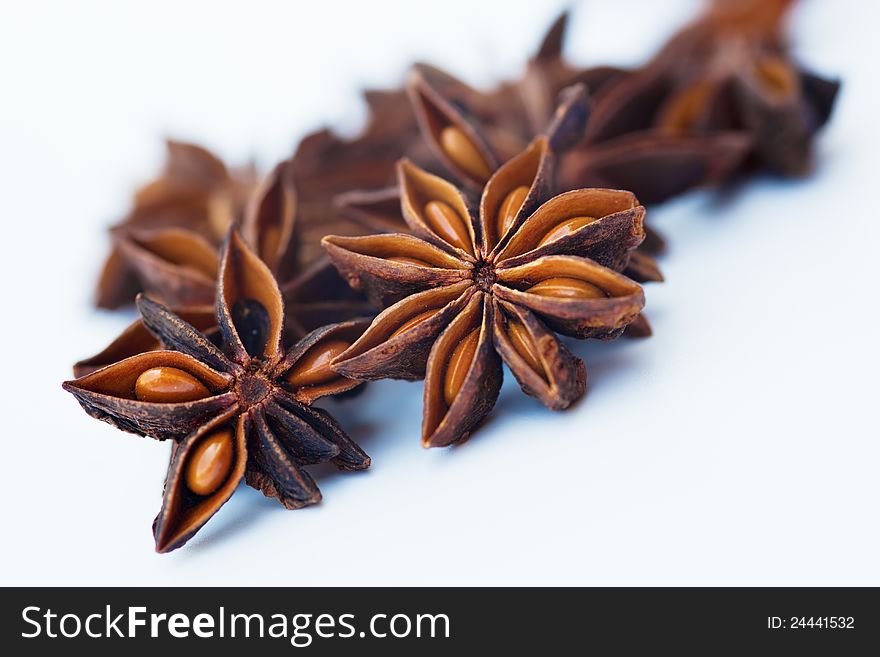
column 242, row 411
column 196, row 197
column 178, row 262
column 472, row 287
column 180, row 268
column 168, row 246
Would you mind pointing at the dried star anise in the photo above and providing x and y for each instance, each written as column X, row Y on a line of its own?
column 179, row 267
column 177, row 263
column 729, row 71
column 240, row 412
column 470, row 290
column 168, row 245
column 196, row 191
column 468, row 155
column 464, row 152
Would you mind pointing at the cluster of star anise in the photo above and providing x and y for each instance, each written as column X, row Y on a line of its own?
column 461, row 230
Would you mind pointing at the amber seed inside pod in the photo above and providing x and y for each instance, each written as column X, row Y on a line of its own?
column 458, row 365
column 509, row 208
column 410, row 261
column 209, row 463
column 564, row 229
column 564, row 287
column 522, row 342
column 464, row 153
column 413, row 321
column 448, row 224
column 167, row 385
column 313, row 367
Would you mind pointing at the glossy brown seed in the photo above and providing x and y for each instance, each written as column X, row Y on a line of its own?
column 523, row 344
column 167, row 385
column 210, row 463
column 567, row 227
column 459, row 363
column 563, row 287
column 313, row 367
column 509, row 207
column 448, row 224
column 411, row 261
column 461, row 150
column 413, row 321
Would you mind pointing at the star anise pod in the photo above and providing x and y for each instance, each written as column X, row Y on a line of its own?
column 178, row 266
column 177, row 262
column 470, row 289
column 466, row 154
column 196, row 191
column 729, row 71
column 243, row 412
column 168, row 246
column 463, row 151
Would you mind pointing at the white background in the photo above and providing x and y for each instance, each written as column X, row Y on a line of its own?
column 737, row 446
